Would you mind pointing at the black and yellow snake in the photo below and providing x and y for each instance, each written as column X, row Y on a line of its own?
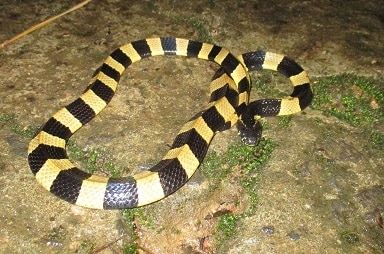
column 228, row 104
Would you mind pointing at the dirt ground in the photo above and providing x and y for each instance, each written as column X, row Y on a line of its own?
column 322, row 190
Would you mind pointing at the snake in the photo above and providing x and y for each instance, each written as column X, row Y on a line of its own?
column 228, row 105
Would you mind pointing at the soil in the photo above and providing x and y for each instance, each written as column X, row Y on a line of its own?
column 306, row 205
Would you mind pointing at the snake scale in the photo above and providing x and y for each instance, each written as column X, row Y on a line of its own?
column 229, row 104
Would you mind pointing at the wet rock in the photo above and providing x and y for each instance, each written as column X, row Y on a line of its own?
column 344, row 152
column 340, row 210
column 18, row 146
column 372, row 198
column 196, row 180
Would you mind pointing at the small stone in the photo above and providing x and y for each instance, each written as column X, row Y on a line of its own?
column 374, row 104
column 268, row 230
column 293, row 235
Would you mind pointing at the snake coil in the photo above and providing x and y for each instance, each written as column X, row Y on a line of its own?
column 228, row 105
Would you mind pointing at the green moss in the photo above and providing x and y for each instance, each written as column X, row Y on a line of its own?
column 144, row 215
column 212, row 168
column 198, row 25
column 114, row 171
column 226, row 228
column 217, row 167
column 249, row 160
column 129, row 248
column 250, row 185
column 57, row 234
column 93, row 159
column 129, row 219
column 255, row 157
column 9, row 121
column 378, row 140
column 129, row 216
column 93, row 156
column 75, row 150
column 350, row 237
column 285, row 121
column 371, row 86
column 263, row 84
column 354, row 99
column 6, row 117
column 87, row 246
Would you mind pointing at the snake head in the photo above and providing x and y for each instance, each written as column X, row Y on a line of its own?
column 249, row 131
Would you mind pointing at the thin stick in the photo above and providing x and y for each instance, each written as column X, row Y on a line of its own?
column 100, row 249
column 44, row 23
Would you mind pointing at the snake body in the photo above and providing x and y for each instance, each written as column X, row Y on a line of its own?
column 229, row 90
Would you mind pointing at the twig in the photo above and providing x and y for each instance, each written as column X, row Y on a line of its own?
column 35, row 27
column 98, row 250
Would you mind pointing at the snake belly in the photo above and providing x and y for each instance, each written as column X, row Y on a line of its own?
column 52, row 168
column 229, row 91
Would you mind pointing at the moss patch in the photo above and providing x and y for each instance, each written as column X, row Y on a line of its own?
column 10, row 122
column 354, row 99
column 226, row 228
column 247, row 162
column 93, row 159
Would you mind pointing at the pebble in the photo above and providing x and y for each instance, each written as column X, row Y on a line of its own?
column 268, row 230
column 293, row 235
